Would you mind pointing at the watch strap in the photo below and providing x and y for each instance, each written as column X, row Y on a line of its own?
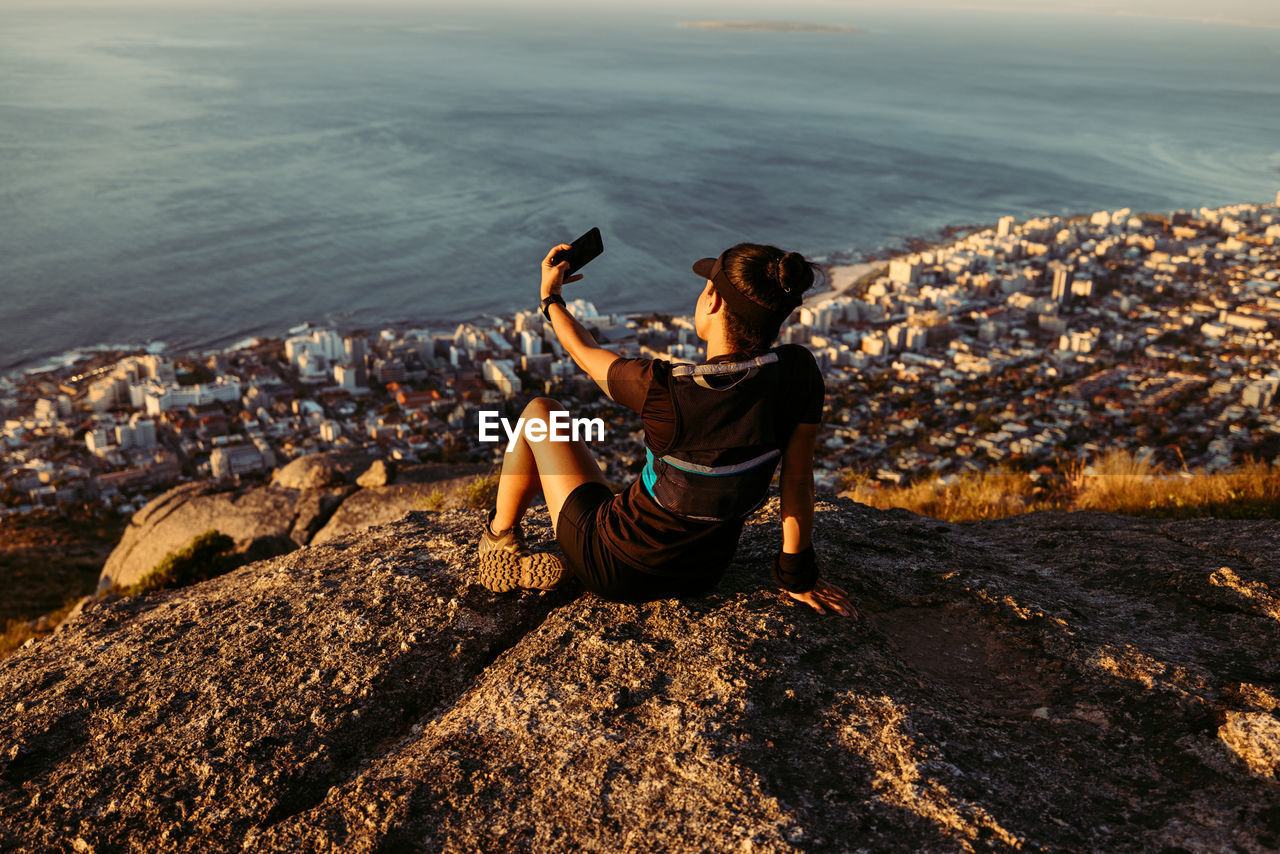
column 554, row 299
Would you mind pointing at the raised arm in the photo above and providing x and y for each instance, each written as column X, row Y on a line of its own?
column 575, row 338
column 795, row 568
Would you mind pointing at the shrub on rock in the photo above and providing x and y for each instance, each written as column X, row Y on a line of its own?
column 208, row 555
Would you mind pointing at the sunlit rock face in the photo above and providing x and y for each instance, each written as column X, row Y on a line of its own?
column 312, row 499
column 1054, row 681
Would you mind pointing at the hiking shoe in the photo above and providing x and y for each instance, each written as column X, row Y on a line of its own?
column 507, row 563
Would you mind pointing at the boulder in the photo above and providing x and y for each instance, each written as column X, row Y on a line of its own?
column 318, row 471
column 1066, row 682
column 271, row 520
column 425, row 487
column 313, row 511
column 379, row 474
column 259, row 519
column 375, row 506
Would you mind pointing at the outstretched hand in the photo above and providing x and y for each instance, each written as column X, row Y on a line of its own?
column 553, row 274
column 829, row 595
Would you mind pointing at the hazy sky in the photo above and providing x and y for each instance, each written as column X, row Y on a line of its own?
column 1257, row 12
column 1248, row 13
column 1245, row 12
column 1254, row 12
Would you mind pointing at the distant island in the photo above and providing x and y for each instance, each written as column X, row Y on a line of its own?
column 770, row 27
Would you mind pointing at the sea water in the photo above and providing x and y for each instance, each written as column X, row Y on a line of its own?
column 198, row 174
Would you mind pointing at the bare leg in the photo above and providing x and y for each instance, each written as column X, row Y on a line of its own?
column 554, row 468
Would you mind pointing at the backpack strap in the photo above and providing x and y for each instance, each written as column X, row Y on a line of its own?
column 701, row 372
column 723, row 367
column 720, row 471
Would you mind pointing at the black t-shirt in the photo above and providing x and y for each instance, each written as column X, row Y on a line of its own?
column 634, row 526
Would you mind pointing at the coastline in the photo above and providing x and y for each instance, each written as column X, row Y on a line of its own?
column 841, row 277
column 976, row 307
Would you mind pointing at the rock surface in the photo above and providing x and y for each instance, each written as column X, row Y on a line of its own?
column 382, row 504
column 1064, row 682
column 378, row 474
column 305, row 501
column 261, row 519
column 317, row 471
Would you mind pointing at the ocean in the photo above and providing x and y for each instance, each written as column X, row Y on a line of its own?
column 196, row 175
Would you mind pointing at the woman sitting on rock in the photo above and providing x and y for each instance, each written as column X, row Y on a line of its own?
column 714, row 435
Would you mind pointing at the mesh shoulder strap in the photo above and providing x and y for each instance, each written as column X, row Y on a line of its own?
column 701, row 372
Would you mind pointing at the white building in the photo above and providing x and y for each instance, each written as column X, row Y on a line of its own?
column 905, row 271
column 312, row 367
column 162, row 398
column 325, row 343
column 139, row 433
column 497, row 342
column 1259, row 394
column 583, row 311
column 46, row 409
column 1242, row 321
column 345, row 376
column 99, row 439
column 108, row 393
column 501, row 372
column 873, row 344
column 239, row 459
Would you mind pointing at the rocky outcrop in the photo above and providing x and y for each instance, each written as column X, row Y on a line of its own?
column 261, row 520
column 379, row 474
column 305, row 501
column 378, row 505
column 1065, row 682
column 317, row 471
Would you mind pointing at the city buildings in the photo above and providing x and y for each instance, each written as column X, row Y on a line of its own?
column 1029, row 344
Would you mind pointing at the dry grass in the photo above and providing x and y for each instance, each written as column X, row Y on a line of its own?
column 1117, row 483
column 207, row 556
column 991, row 495
column 48, row 557
column 18, row 632
column 433, row 500
column 481, row 492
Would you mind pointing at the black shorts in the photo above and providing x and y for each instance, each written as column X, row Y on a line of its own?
column 596, row 566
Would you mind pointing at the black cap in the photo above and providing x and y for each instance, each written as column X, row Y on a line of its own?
column 742, row 305
column 706, row 267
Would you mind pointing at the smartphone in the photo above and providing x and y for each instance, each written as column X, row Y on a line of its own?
column 582, row 250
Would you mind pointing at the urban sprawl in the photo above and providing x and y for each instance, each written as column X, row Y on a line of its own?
column 1031, row 345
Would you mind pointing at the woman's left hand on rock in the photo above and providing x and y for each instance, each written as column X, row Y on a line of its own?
column 826, row 594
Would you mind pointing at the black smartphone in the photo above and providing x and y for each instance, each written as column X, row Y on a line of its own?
column 582, row 250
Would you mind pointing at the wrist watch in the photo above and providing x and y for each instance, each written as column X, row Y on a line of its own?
column 554, row 299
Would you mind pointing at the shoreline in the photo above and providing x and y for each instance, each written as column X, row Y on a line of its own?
column 1183, row 327
column 841, row 277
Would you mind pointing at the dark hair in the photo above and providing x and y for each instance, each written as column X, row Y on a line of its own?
column 770, row 277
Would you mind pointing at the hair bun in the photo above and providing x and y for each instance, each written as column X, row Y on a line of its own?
column 775, row 272
column 794, row 274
